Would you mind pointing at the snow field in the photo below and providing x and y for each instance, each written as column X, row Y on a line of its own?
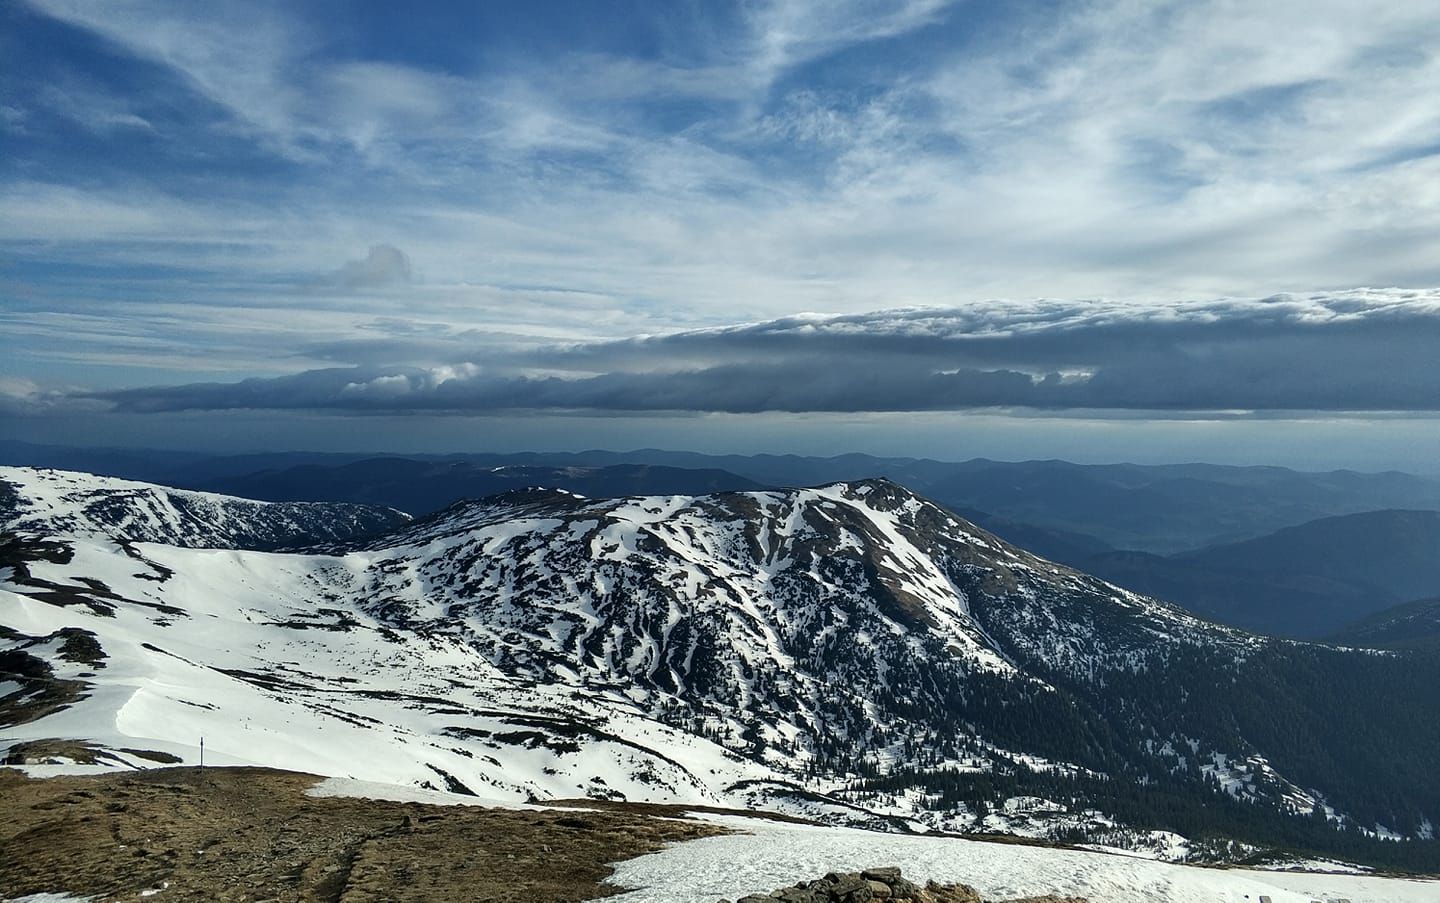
column 767, row 855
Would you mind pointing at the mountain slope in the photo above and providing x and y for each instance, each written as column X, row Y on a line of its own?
column 1073, row 549
column 1413, row 625
column 1306, row 581
column 1395, row 551
column 54, row 502
column 1280, row 603
column 851, row 652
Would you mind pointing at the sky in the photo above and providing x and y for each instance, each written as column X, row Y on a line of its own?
column 1138, row 231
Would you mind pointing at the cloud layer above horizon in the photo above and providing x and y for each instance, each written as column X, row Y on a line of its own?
column 468, row 208
column 1362, row 351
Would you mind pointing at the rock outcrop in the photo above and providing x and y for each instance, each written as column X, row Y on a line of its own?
column 880, row 884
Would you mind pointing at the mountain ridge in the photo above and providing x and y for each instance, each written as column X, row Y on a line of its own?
column 421, row 487
column 1142, row 504
column 73, row 504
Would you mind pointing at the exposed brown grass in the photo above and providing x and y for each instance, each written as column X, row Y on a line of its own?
column 251, row 834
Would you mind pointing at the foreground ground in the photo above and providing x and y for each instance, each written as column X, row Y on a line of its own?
column 256, row 834
column 233, row 834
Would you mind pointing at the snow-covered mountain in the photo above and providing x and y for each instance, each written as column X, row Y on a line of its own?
column 59, row 502
column 806, row 626
column 851, row 652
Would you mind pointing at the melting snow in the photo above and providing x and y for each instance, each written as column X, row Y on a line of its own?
column 770, row 855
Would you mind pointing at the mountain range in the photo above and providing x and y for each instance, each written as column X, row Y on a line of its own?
column 421, row 486
column 851, row 652
column 1159, row 509
column 1264, row 576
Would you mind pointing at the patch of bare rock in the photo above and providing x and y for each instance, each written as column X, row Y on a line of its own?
column 881, row 884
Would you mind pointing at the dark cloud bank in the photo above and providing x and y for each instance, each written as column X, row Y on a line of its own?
column 1353, row 351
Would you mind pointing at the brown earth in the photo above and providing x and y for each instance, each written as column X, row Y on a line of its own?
column 251, row 834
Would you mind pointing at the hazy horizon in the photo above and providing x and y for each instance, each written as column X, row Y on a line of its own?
column 1006, row 449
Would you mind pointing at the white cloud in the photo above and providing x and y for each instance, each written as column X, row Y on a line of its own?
column 786, row 33
column 382, row 265
column 25, row 397
column 239, row 56
column 1120, row 149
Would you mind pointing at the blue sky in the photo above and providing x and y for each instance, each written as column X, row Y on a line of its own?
column 378, row 225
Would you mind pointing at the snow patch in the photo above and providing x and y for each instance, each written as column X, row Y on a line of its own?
column 395, row 793
column 770, row 855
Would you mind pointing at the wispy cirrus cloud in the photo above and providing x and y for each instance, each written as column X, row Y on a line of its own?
column 550, row 188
